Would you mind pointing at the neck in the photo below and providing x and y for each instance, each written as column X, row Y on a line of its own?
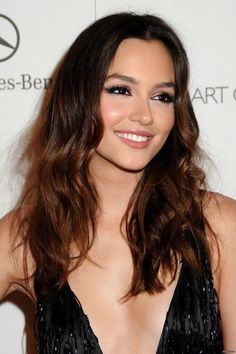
column 114, row 186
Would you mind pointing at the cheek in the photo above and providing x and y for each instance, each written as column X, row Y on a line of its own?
column 170, row 123
column 111, row 112
column 166, row 123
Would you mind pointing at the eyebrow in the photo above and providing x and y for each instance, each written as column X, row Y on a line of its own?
column 134, row 81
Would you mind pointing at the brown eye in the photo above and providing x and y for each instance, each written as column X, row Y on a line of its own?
column 164, row 98
column 118, row 90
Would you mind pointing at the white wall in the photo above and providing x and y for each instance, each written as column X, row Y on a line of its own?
column 47, row 28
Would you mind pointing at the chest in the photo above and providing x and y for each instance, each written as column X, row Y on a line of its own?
column 192, row 324
column 88, row 316
column 134, row 326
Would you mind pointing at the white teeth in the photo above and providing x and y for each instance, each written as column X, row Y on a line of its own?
column 133, row 137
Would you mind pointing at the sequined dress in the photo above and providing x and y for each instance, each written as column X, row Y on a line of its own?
column 192, row 322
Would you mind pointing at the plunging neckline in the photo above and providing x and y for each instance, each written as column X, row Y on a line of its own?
column 74, row 296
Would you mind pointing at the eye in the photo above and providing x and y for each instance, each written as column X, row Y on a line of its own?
column 118, row 90
column 164, row 97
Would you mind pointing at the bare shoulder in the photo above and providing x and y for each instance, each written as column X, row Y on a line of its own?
column 220, row 212
column 11, row 255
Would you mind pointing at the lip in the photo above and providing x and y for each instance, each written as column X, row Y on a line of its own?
column 135, row 144
column 137, row 132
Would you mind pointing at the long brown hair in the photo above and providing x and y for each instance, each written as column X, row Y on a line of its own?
column 59, row 198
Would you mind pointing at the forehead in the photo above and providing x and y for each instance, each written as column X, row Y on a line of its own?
column 148, row 56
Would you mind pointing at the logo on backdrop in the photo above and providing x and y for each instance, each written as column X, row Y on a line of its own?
column 213, row 94
column 9, row 43
column 9, row 38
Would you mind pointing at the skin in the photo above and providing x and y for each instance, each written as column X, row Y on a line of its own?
column 140, row 104
column 136, row 326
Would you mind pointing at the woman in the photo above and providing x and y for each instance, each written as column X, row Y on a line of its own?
column 115, row 235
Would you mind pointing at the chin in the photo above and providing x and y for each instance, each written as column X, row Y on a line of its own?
column 132, row 169
column 131, row 166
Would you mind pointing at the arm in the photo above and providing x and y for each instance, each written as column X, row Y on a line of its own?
column 221, row 214
column 11, row 262
column 7, row 268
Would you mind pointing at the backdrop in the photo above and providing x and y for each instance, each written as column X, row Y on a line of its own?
column 33, row 37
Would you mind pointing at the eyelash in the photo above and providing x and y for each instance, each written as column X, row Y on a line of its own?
column 163, row 97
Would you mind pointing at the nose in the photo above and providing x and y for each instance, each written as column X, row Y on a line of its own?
column 141, row 112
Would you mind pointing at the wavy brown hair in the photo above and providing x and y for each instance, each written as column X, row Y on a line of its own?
column 59, row 198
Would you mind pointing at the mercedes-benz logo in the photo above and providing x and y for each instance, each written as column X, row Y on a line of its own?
column 9, row 38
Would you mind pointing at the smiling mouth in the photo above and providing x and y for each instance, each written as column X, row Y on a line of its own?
column 133, row 137
column 134, row 140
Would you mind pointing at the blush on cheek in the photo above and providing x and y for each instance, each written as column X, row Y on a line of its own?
column 110, row 115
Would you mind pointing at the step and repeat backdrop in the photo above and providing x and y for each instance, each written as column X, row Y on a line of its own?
column 33, row 38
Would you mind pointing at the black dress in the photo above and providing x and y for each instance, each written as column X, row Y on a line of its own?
column 192, row 322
